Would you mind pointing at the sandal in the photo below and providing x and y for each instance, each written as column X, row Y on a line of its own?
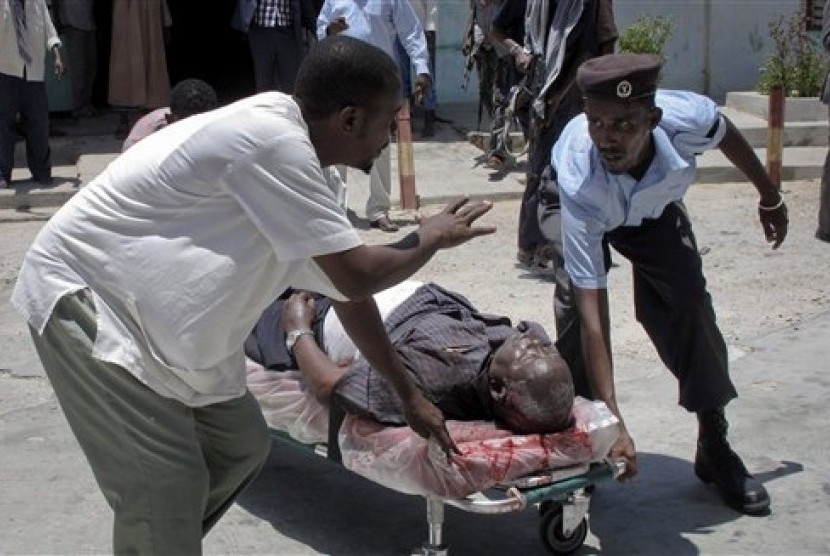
column 495, row 162
column 384, row 224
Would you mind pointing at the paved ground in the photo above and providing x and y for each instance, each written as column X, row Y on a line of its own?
column 773, row 307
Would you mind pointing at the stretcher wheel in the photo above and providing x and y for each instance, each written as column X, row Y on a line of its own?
column 550, row 529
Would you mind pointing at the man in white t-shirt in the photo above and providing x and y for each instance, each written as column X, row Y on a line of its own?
column 141, row 290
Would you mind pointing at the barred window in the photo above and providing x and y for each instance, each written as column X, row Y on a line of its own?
column 813, row 10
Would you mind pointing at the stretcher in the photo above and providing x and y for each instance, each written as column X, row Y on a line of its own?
column 497, row 471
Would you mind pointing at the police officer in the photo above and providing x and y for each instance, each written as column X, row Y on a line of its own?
column 622, row 169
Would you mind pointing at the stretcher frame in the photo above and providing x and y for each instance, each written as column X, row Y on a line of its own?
column 563, row 496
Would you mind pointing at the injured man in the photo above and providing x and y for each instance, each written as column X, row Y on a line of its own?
column 473, row 366
column 501, row 388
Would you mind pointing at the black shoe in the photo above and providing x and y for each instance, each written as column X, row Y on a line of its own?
column 822, row 236
column 716, row 462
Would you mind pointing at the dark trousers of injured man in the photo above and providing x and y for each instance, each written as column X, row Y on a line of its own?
column 168, row 471
column 671, row 303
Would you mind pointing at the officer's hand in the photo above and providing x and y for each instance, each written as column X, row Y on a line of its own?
column 623, row 449
column 453, row 225
column 774, row 223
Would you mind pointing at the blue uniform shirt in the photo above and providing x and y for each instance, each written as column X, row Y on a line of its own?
column 595, row 201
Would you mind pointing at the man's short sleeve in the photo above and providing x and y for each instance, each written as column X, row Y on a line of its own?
column 582, row 246
column 285, row 193
column 692, row 121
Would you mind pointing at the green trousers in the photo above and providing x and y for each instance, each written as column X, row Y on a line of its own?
column 168, row 471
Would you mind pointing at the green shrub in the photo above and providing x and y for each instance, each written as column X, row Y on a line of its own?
column 797, row 63
column 648, row 35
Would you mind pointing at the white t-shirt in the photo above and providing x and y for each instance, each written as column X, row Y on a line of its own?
column 186, row 238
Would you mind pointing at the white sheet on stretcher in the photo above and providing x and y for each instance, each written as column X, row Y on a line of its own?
column 397, row 458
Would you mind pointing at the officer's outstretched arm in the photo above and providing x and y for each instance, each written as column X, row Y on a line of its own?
column 771, row 208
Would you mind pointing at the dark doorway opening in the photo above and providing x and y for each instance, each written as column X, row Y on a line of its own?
column 203, row 46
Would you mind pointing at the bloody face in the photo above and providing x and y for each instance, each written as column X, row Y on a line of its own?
column 509, row 360
column 514, row 366
column 621, row 131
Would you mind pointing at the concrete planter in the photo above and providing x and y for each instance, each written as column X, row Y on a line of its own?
column 808, row 109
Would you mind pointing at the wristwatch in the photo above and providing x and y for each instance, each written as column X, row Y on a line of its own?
column 292, row 336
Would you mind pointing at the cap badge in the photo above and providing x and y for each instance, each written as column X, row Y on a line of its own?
column 624, row 89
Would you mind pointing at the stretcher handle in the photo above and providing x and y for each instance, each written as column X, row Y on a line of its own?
column 518, row 500
column 596, row 474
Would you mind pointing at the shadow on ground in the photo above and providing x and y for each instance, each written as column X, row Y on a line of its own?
column 334, row 511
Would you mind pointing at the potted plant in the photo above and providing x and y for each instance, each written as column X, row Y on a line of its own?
column 798, row 64
column 647, row 35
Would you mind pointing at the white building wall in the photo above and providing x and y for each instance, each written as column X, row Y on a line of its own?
column 737, row 31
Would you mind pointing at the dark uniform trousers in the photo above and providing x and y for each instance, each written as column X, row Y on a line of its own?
column 671, row 303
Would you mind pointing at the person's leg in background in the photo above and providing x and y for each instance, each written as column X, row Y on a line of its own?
column 167, row 470
column 486, row 61
column 431, row 99
column 263, row 43
column 90, row 54
column 530, row 238
column 498, row 155
column 380, row 191
column 823, row 230
column 10, row 91
column 82, row 53
column 289, row 55
column 34, row 110
column 405, row 66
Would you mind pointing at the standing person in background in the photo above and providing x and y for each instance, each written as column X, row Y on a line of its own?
column 559, row 36
column 823, row 230
column 427, row 12
column 26, row 32
column 275, row 31
column 509, row 22
column 188, row 97
column 478, row 49
column 77, row 25
column 380, row 23
column 139, row 80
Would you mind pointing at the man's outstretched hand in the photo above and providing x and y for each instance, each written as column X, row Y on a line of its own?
column 454, row 225
column 427, row 421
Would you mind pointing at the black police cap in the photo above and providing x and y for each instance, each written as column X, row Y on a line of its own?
column 622, row 76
